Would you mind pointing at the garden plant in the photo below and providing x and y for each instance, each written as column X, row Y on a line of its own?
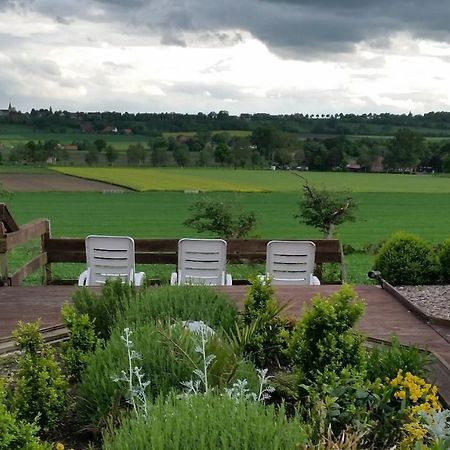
column 181, row 367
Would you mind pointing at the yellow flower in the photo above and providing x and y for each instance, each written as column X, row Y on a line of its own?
column 400, row 395
column 59, row 446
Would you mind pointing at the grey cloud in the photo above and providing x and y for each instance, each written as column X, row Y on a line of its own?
column 293, row 28
column 171, row 39
column 63, row 20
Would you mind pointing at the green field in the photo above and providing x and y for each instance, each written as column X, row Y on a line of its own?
column 385, row 206
column 164, row 179
column 160, row 214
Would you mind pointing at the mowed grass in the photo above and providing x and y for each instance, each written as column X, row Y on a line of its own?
column 211, row 179
column 161, row 214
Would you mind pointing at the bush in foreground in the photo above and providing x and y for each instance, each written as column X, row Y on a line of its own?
column 406, row 259
column 14, row 433
column 207, row 422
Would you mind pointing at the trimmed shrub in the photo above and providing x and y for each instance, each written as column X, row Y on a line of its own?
column 14, row 433
column 263, row 335
column 81, row 343
column 406, row 259
column 444, row 260
column 323, row 340
column 208, row 422
column 40, row 393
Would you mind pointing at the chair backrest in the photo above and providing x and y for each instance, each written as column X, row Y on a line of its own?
column 290, row 262
column 202, row 261
column 109, row 257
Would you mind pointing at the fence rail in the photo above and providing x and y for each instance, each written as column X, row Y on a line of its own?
column 148, row 251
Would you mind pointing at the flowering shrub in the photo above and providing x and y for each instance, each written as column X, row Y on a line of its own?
column 416, row 397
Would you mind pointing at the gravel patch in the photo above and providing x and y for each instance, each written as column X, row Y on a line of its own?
column 433, row 300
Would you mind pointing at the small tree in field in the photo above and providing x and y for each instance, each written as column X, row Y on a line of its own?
column 325, row 209
column 221, row 218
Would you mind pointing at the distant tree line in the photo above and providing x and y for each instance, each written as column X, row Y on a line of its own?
column 265, row 147
column 433, row 123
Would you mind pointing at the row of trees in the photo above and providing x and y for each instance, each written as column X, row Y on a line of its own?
column 150, row 123
column 265, row 146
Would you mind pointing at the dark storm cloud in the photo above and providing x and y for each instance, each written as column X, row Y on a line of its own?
column 298, row 28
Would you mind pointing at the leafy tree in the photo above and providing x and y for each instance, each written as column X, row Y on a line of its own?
column 135, row 154
column 282, row 157
column 267, row 140
column 325, row 209
column 91, row 157
column 181, row 154
column 241, row 152
column 405, row 150
column 224, row 219
column 111, row 154
column 222, row 154
column 100, row 144
column 204, row 157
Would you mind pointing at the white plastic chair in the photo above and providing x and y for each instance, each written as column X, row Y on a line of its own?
column 110, row 257
column 201, row 261
column 291, row 262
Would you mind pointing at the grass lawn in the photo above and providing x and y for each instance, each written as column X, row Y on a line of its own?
column 160, row 214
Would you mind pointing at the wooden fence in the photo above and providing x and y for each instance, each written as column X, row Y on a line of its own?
column 148, row 251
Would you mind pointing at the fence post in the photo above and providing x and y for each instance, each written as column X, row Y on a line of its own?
column 3, row 256
column 47, row 276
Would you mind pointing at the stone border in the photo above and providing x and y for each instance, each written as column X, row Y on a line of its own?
column 419, row 312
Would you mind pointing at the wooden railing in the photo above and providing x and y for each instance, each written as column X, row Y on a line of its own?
column 148, row 251
column 11, row 235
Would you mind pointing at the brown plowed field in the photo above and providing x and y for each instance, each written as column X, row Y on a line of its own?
column 24, row 182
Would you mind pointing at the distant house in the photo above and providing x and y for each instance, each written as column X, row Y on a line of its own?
column 183, row 138
column 109, row 130
column 70, row 147
column 377, row 165
column 353, row 166
column 127, row 131
column 87, row 127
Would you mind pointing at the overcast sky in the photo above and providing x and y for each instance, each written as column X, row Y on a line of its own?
column 276, row 56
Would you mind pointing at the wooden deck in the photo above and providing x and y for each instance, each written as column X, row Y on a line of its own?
column 383, row 317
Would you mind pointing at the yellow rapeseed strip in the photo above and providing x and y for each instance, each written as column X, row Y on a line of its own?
column 148, row 179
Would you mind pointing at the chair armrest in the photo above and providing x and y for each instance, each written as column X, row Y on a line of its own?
column 139, row 278
column 82, row 279
column 174, row 279
column 228, row 280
